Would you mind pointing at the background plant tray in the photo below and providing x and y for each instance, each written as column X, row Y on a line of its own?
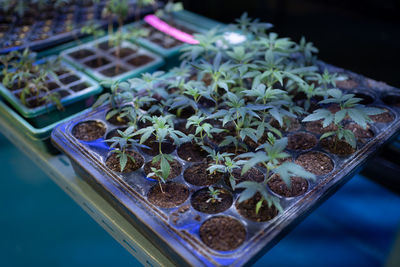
column 54, row 27
column 97, row 73
column 177, row 232
column 79, row 87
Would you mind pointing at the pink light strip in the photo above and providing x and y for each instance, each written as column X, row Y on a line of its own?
column 171, row 31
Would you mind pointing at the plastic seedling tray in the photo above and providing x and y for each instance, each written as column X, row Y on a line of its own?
column 76, row 89
column 198, row 20
column 52, row 27
column 176, row 230
column 100, row 62
column 39, row 136
column 164, row 44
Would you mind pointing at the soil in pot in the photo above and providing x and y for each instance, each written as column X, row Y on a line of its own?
column 97, row 62
column 338, row 147
column 176, row 168
column 184, row 112
column 316, row 127
column 201, row 201
column 114, row 71
column 253, row 175
column 79, row 87
column 83, row 53
column 124, row 52
column 222, row 233
column 298, row 187
column 89, row 130
column 347, row 84
column 113, row 162
column 197, row 174
column 293, row 125
column 69, row 79
column 384, row 117
column 118, row 120
column 301, row 141
column 172, row 195
column 181, row 126
column 247, row 209
column 167, row 147
column 140, row 60
column 192, row 152
column 359, row 132
column 315, row 162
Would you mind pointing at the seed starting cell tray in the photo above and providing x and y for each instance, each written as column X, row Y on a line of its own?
column 176, row 230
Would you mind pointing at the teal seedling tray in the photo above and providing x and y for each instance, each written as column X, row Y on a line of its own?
column 170, row 48
column 84, row 57
column 197, row 20
column 39, row 136
column 77, row 88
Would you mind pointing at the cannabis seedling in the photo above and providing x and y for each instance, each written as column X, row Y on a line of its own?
column 214, row 195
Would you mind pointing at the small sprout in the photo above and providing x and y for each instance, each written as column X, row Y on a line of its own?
column 214, row 195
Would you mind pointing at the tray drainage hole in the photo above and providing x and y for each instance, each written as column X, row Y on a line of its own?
column 203, row 201
column 222, row 233
column 315, row 162
column 148, row 263
column 365, row 99
column 88, row 207
column 108, row 226
column 392, row 100
column 89, row 130
column 172, row 194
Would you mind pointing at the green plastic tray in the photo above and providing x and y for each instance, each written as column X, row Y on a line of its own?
column 39, row 136
column 45, row 115
column 197, row 20
column 96, row 74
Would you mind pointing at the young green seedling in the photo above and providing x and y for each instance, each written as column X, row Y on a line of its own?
column 214, row 195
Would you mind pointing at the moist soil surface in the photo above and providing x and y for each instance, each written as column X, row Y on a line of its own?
column 315, row 162
column 113, row 71
column 301, row 141
column 176, row 168
column 197, row 174
column 359, row 132
column 173, row 195
column 338, row 147
column 316, row 127
column 181, row 126
column 222, row 233
column 166, row 147
column 200, row 198
column 253, row 174
column 118, row 120
column 123, row 52
column 292, row 125
column 347, row 84
column 298, row 186
column 384, row 117
column 192, row 152
column 113, row 162
column 89, row 130
column 140, row 60
column 247, row 209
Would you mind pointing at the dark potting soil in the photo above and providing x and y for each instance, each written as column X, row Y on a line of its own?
column 384, row 117
column 166, row 44
column 347, row 84
column 113, row 71
column 301, row 141
column 192, row 152
column 298, row 186
column 104, row 46
column 183, row 113
column 200, row 198
column 316, row 127
column 197, row 174
column 97, row 62
column 140, row 60
column 113, row 162
column 338, row 147
column 79, row 87
column 365, row 99
column 83, row 53
column 167, row 147
column 358, row 131
column 253, row 174
column 173, row 195
column 181, row 126
column 315, row 162
column 222, row 233
column 292, row 125
column 35, row 102
column 118, row 120
column 247, row 209
column 89, row 130
column 124, row 52
column 176, row 168
column 69, row 79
